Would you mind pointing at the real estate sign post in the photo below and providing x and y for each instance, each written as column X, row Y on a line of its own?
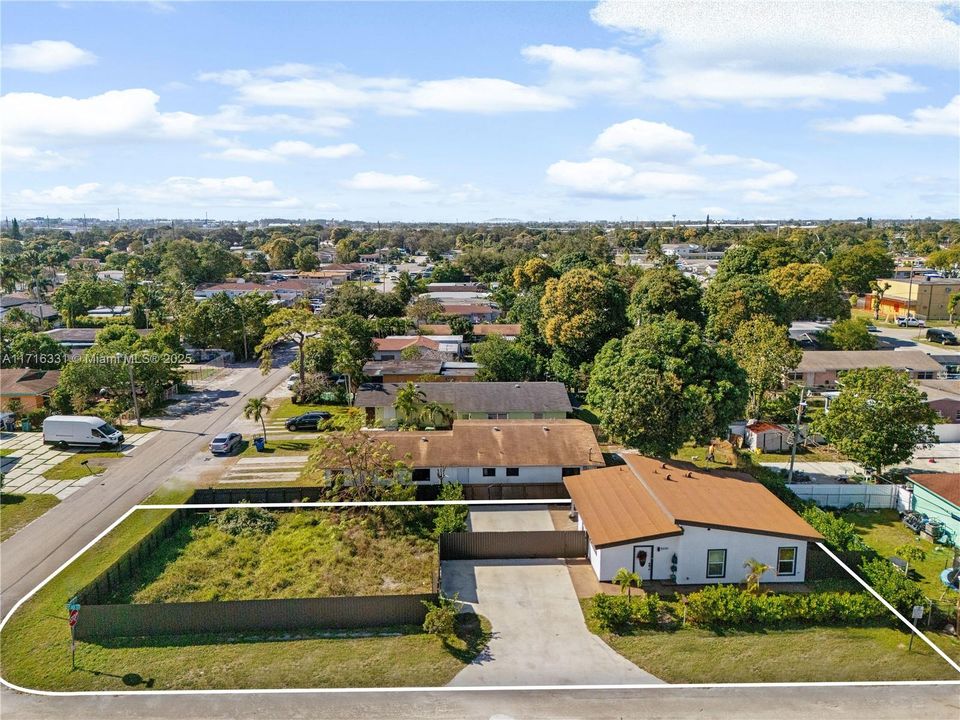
column 73, row 607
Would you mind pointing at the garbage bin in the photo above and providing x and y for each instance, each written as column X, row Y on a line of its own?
column 25, row 425
column 259, row 443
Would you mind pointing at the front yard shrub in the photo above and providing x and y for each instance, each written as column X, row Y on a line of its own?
column 839, row 534
column 899, row 590
column 441, row 616
column 612, row 612
column 245, row 521
column 450, row 518
column 729, row 607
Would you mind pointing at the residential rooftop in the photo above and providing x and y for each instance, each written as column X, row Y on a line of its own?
column 833, row 360
column 499, row 397
column 480, row 329
column 946, row 485
column 648, row 498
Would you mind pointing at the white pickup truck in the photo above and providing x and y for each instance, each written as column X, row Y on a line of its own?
column 910, row 321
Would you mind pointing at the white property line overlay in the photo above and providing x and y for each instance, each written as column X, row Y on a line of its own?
column 445, row 688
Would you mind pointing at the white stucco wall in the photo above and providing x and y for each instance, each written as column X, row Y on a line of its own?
column 691, row 550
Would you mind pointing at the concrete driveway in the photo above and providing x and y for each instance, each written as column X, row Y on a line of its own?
column 539, row 635
column 507, row 518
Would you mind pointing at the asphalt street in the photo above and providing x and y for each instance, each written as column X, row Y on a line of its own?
column 932, row 702
column 27, row 558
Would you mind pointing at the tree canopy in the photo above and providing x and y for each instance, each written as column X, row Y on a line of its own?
column 765, row 352
column 663, row 290
column 809, row 291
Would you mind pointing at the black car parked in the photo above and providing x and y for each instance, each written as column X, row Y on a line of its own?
column 941, row 336
column 308, row 421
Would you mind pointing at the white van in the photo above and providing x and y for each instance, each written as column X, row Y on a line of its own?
column 81, row 430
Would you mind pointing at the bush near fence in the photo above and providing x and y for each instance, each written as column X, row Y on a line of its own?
column 158, row 619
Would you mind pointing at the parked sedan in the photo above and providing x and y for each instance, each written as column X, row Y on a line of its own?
column 308, row 421
column 225, row 443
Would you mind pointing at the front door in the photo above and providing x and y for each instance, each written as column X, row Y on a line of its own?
column 643, row 561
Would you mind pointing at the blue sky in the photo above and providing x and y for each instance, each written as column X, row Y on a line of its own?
column 471, row 111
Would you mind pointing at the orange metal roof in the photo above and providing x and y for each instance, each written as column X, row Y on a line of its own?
column 647, row 496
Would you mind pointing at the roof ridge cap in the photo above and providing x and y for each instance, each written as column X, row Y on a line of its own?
column 652, row 494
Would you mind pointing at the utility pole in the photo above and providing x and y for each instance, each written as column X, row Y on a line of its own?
column 796, row 432
column 133, row 392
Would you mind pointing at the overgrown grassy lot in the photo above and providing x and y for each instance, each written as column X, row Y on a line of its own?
column 278, row 447
column 883, row 531
column 309, row 554
column 802, row 655
column 16, row 511
column 34, row 645
column 71, row 468
column 286, row 408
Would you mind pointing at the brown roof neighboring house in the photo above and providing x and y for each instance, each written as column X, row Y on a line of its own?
column 23, row 382
column 834, row 360
column 660, row 494
column 480, row 329
column 498, row 443
column 375, row 368
column 390, row 344
column 946, row 485
column 762, row 427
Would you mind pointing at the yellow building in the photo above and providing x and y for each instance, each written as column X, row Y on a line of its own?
column 925, row 297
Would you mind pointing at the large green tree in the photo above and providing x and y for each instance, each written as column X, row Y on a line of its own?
column 580, row 311
column 857, row 266
column 504, row 361
column 879, row 418
column 731, row 301
column 664, row 384
column 850, row 334
column 664, row 290
column 289, row 325
column 809, row 291
column 765, row 352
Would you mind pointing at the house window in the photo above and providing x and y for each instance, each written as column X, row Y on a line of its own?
column 787, row 561
column 513, row 472
column 567, row 472
column 956, row 416
column 489, row 472
column 496, row 416
column 925, row 375
column 716, row 563
column 538, row 416
column 421, row 475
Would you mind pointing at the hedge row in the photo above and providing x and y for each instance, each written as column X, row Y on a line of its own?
column 729, row 606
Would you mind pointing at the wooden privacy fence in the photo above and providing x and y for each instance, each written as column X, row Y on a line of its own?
column 220, row 496
column 124, row 568
column 513, row 545
column 515, row 491
column 192, row 618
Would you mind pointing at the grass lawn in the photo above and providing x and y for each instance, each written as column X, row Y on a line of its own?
column 134, row 429
column 883, row 531
column 34, row 644
column 16, row 511
column 697, row 454
column 311, row 553
column 803, row 655
column 71, row 469
column 278, row 447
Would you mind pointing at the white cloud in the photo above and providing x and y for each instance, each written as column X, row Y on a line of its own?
column 371, row 180
column 117, row 114
column 303, row 86
column 789, row 34
column 234, row 118
column 923, row 121
column 45, row 56
column 645, row 139
column 839, row 191
column 605, row 177
column 760, row 198
column 715, row 211
column 59, row 195
column 289, row 149
column 173, row 192
column 587, row 70
column 30, row 158
column 640, row 158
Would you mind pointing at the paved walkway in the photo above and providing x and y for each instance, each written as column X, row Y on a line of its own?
column 24, row 469
column 281, row 469
column 945, row 457
column 539, row 634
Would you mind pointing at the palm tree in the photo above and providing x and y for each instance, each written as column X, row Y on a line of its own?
column 257, row 408
column 408, row 402
column 627, row 580
column 436, row 414
column 151, row 299
column 755, row 569
column 9, row 276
